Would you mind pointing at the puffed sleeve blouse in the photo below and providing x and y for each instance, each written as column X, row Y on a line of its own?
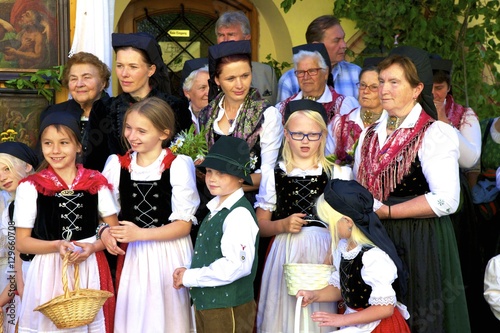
column 185, row 198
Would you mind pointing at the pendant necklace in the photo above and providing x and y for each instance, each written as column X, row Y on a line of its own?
column 231, row 121
column 368, row 117
column 393, row 122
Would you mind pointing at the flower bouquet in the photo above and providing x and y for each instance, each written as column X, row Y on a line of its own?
column 191, row 144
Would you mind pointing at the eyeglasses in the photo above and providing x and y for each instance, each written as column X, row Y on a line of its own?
column 362, row 86
column 310, row 71
column 299, row 136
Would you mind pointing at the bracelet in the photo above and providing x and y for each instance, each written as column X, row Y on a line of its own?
column 100, row 228
column 390, row 217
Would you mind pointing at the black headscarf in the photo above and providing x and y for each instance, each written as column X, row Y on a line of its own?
column 420, row 59
column 21, row 151
column 351, row 199
column 305, row 105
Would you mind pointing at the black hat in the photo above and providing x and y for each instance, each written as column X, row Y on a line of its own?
column 351, row 199
column 420, row 59
column 314, row 47
column 192, row 65
column 142, row 41
column 372, row 61
column 438, row 63
column 21, row 151
column 61, row 118
column 230, row 155
column 221, row 50
column 305, row 105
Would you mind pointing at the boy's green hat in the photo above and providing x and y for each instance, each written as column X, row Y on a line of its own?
column 230, row 155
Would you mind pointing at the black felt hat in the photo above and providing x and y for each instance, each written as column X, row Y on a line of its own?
column 351, row 199
column 142, row 41
column 192, row 65
column 221, row 50
column 314, row 47
column 372, row 61
column 420, row 59
column 61, row 118
column 21, row 151
column 230, row 155
column 305, row 105
column 437, row 63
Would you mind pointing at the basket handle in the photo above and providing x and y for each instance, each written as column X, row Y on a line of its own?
column 298, row 307
column 65, row 276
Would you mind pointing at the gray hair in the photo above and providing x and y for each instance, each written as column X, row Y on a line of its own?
column 231, row 18
column 188, row 82
column 301, row 55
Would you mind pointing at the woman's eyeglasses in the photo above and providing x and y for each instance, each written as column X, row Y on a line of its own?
column 310, row 71
column 299, row 136
column 362, row 86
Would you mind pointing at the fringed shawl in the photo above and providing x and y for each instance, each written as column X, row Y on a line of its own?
column 345, row 134
column 48, row 183
column 455, row 112
column 382, row 169
column 248, row 123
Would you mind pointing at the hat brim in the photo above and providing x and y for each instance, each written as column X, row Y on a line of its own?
column 223, row 166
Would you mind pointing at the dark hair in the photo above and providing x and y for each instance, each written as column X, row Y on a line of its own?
column 317, row 27
column 73, row 137
column 160, row 79
column 441, row 76
column 219, row 63
column 90, row 59
column 367, row 69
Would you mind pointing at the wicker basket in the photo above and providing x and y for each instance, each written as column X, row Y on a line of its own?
column 74, row 308
column 304, row 276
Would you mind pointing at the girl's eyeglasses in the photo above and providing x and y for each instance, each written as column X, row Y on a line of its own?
column 299, row 136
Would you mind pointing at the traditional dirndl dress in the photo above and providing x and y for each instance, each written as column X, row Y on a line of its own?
column 276, row 308
column 65, row 214
column 147, row 300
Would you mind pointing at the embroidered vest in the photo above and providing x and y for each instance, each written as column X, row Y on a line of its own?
column 297, row 194
column 207, row 250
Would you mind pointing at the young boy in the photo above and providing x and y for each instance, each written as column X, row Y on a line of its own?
column 224, row 263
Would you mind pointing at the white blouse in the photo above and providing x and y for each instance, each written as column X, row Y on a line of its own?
column 469, row 140
column 438, row 156
column 185, row 198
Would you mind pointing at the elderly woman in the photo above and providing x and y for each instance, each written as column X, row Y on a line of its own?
column 346, row 129
column 312, row 68
column 86, row 77
column 141, row 73
column 195, row 86
column 409, row 162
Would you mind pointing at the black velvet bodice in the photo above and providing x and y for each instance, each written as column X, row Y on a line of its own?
column 145, row 203
column 355, row 291
column 413, row 184
column 297, row 194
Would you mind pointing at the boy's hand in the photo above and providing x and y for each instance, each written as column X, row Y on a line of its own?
column 178, row 275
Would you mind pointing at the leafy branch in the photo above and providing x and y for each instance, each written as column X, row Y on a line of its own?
column 45, row 81
column 276, row 65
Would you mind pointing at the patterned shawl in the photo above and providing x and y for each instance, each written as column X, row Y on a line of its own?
column 248, row 123
column 382, row 169
column 332, row 108
column 456, row 112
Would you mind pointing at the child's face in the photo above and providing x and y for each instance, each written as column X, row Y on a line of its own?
column 304, row 148
column 221, row 184
column 59, row 148
column 8, row 178
column 141, row 134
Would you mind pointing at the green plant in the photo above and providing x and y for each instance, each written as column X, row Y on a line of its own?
column 45, row 81
column 464, row 31
column 276, row 65
column 190, row 143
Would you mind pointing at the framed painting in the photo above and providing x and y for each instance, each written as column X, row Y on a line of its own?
column 20, row 115
column 34, row 34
